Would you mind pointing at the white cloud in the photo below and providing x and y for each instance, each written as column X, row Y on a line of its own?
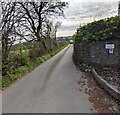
column 91, row 0
column 65, row 33
column 80, row 11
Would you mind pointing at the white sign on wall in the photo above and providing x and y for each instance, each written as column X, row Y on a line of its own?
column 110, row 47
column 111, row 51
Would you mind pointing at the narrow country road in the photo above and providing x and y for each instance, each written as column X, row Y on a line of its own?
column 50, row 88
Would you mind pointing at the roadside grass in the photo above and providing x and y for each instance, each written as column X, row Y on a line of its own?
column 21, row 71
column 0, row 82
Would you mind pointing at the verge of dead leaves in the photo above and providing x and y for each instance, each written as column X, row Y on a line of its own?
column 102, row 101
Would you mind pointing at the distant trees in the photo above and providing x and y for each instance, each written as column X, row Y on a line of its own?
column 28, row 21
column 51, row 30
column 57, row 25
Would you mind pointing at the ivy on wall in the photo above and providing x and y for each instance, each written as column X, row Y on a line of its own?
column 99, row 30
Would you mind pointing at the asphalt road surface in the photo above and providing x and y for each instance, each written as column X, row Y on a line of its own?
column 50, row 88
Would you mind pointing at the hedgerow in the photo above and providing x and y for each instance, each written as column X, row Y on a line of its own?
column 99, row 30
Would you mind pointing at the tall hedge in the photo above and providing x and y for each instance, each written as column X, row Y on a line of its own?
column 99, row 30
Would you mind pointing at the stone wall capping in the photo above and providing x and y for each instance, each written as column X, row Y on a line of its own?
column 112, row 91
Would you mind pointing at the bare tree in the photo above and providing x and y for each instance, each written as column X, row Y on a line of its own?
column 49, row 32
column 48, row 25
column 8, row 24
column 57, row 25
column 25, row 19
column 35, row 15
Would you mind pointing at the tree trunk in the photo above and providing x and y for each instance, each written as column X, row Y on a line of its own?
column 40, row 39
column 5, row 53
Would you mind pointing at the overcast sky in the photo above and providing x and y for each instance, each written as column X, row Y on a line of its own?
column 85, row 11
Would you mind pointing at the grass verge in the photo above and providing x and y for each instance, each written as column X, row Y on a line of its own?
column 21, row 71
